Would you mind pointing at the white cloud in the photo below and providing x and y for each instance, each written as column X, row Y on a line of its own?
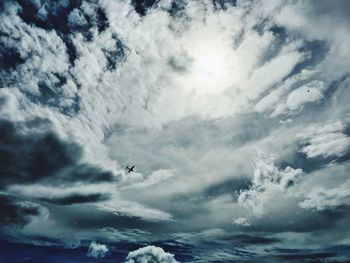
column 277, row 97
column 321, row 198
column 76, row 17
column 259, row 83
column 97, row 250
column 268, row 183
column 241, row 221
column 133, row 209
column 150, row 254
column 137, row 180
column 305, row 94
column 52, row 192
column 328, row 140
column 298, row 98
column 43, row 52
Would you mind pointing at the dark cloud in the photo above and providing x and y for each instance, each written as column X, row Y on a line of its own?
column 116, row 55
column 231, row 186
column 299, row 160
column 180, row 65
column 64, row 16
column 177, row 7
column 328, row 254
column 141, row 6
column 340, row 9
column 16, row 213
column 9, row 59
column 82, row 218
column 317, row 51
column 304, row 256
column 224, row 4
column 255, row 239
column 33, row 157
column 77, row 199
column 302, row 221
column 32, row 253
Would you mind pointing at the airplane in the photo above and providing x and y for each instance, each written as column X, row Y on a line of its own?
column 130, row 169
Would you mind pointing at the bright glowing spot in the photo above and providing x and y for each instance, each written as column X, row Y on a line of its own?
column 213, row 70
column 213, row 66
column 209, row 67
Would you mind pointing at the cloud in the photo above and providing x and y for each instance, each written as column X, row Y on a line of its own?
column 241, row 221
column 97, row 250
column 150, row 254
column 18, row 213
column 320, row 198
column 39, row 61
column 128, row 235
column 141, row 7
column 133, row 209
column 136, row 180
column 268, row 183
column 185, row 90
column 255, row 239
column 298, row 98
column 63, row 195
column 77, row 199
column 41, row 156
column 328, row 140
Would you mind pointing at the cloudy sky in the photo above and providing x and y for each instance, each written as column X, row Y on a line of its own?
column 235, row 114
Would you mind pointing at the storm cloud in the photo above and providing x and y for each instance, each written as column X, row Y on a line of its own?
column 41, row 156
column 17, row 213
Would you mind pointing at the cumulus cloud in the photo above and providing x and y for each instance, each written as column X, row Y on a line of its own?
column 39, row 62
column 268, row 182
column 150, row 254
column 97, row 250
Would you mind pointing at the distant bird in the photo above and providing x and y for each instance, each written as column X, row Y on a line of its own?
column 130, row 169
column 308, row 90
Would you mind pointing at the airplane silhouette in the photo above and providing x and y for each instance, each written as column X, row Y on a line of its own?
column 130, row 169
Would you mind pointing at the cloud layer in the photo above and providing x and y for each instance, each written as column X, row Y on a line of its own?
column 234, row 113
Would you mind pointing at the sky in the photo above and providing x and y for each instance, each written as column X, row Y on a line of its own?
column 235, row 115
